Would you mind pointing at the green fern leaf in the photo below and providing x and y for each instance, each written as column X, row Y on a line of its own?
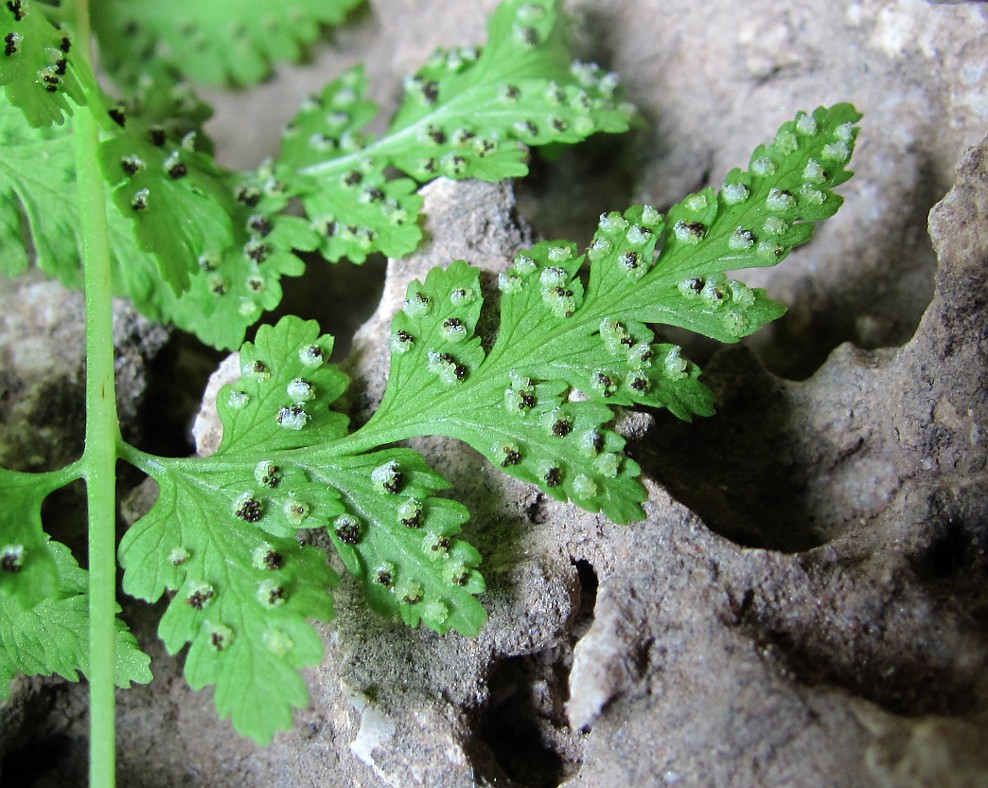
column 44, row 607
column 38, row 69
column 231, row 288
column 513, row 406
column 400, row 539
column 28, row 568
column 222, row 533
column 573, row 343
column 228, row 287
column 37, row 177
column 235, row 41
column 175, row 194
column 467, row 114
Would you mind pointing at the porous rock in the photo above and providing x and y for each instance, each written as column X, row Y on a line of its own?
column 855, row 651
column 805, row 602
column 43, row 371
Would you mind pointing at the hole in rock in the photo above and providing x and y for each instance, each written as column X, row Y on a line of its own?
column 524, row 724
column 745, row 495
column 339, row 297
column 563, row 197
column 59, row 411
column 870, row 286
column 42, row 763
column 524, row 735
column 954, row 555
column 899, row 678
column 177, row 379
column 64, row 514
column 588, row 599
column 768, row 469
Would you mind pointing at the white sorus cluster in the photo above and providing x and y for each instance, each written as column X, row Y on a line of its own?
column 277, row 642
column 267, row 473
column 689, row 232
column 417, row 305
column 786, row 141
column 741, row 240
column 600, row 248
column 519, row 397
column 238, row 400
column 774, row 225
column 779, row 200
column 312, row 356
column 446, row 367
column 555, row 292
column 764, row 166
column 388, row 477
column 292, row 417
column 179, row 556
column 592, row 76
column 591, row 442
column 435, row 546
column 301, row 390
column 401, row 341
column 615, row 335
column 410, row 592
column 620, row 341
column 604, row 382
column 506, row 454
column 461, row 296
column 806, row 124
column 12, row 558
column 265, row 557
column 558, row 254
column 270, row 593
column 384, row 574
column 453, row 330
column 296, row 511
column 255, row 370
column 435, row 612
column 508, row 282
column 200, row 595
column 348, row 529
column 220, row 636
column 584, row 487
column 410, row 513
column 525, row 265
column 217, row 283
column 674, row 365
column 139, row 202
column 734, row 193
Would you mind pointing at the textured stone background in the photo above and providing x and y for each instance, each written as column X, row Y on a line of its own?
column 806, row 602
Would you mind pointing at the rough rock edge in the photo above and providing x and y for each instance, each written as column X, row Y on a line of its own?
column 868, row 638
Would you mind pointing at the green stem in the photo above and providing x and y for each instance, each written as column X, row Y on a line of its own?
column 102, row 433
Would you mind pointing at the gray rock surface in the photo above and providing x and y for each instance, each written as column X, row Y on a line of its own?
column 805, row 603
column 43, row 369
